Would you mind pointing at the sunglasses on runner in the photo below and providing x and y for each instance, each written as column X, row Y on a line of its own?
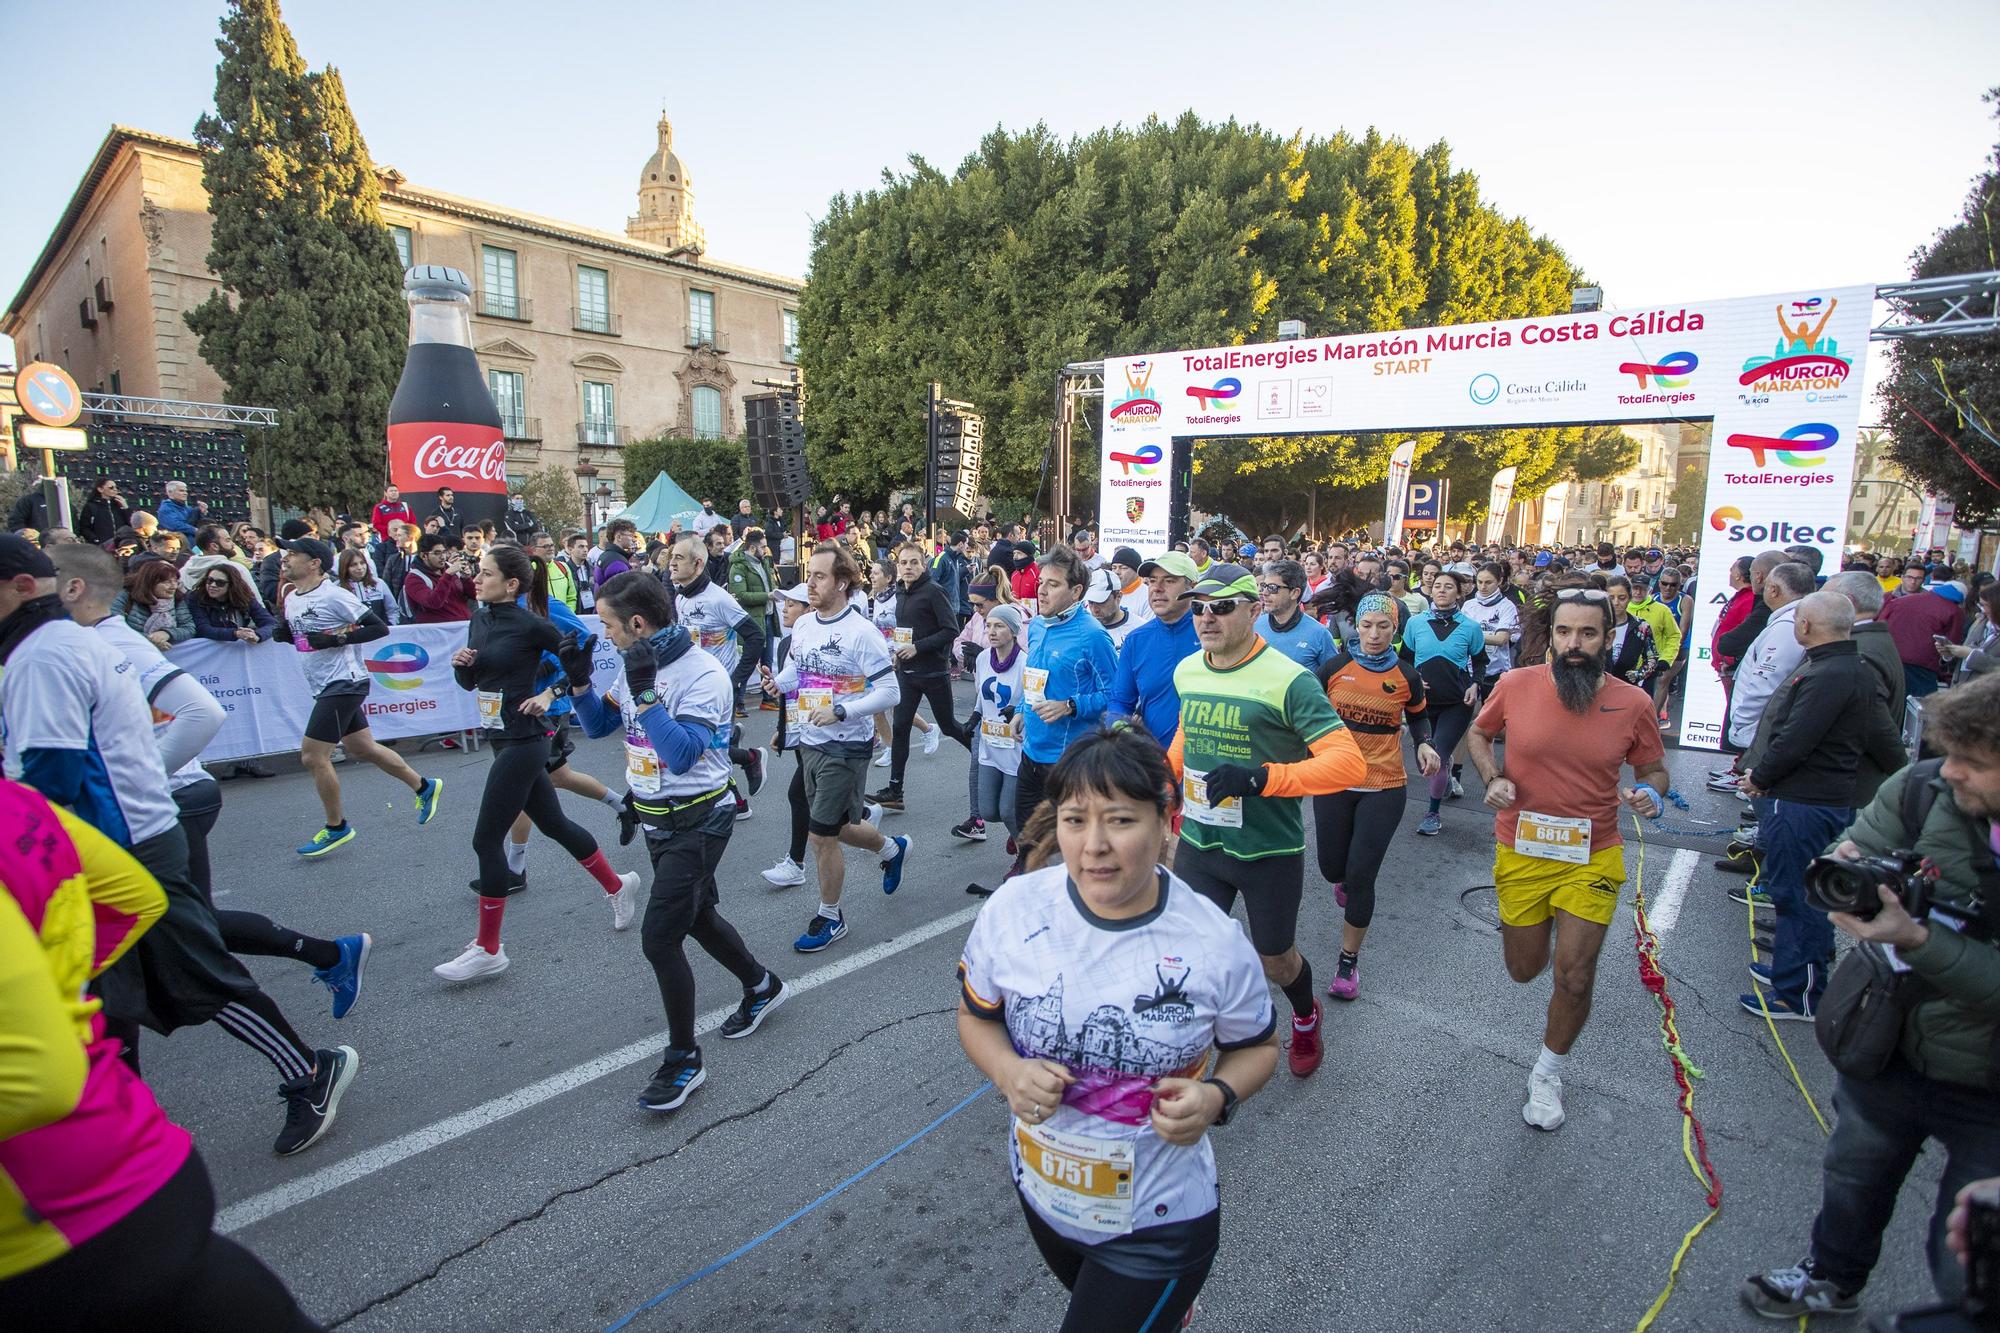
column 1223, row 606
column 1583, row 595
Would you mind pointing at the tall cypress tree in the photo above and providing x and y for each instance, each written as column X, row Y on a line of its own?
column 310, row 319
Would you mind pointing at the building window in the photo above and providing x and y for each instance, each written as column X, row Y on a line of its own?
column 791, row 350
column 701, row 317
column 405, row 247
column 707, row 412
column 510, row 395
column 1861, row 491
column 116, row 389
column 600, row 413
column 1860, row 521
column 593, row 300
column 500, row 292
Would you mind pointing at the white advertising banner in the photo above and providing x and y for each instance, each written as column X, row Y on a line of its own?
column 1780, row 376
column 411, row 693
column 1499, row 498
column 1398, row 492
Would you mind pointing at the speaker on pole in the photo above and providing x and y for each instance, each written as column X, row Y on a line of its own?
column 775, row 428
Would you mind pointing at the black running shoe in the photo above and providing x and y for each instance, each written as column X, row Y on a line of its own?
column 756, row 1006
column 628, row 821
column 312, row 1102
column 678, row 1076
column 889, row 798
column 972, row 830
column 753, row 769
column 515, row 883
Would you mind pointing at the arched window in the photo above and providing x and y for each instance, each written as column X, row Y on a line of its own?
column 707, row 412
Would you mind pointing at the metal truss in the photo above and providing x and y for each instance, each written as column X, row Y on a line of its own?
column 1958, row 305
column 115, row 406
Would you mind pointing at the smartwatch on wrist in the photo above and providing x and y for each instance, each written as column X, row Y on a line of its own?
column 840, row 712
column 1228, row 1100
column 646, row 698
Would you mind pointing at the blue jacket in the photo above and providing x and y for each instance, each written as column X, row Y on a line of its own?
column 1145, row 683
column 1076, row 653
column 1463, row 645
column 567, row 621
column 177, row 517
column 1307, row 642
column 678, row 743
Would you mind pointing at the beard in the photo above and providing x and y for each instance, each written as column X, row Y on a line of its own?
column 1577, row 676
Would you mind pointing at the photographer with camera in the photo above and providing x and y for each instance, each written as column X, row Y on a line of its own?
column 438, row 587
column 1912, row 1017
column 1826, row 716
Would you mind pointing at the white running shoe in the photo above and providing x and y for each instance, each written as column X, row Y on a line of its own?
column 1544, row 1108
column 882, row 759
column 931, row 739
column 473, row 964
column 871, row 813
column 624, row 901
column 1457, row 789
column 787, row 873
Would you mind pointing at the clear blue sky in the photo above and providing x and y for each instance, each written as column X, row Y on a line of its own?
column 1675, row 151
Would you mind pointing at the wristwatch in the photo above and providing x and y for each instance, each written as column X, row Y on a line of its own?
column 1228, row 1100
column 840, row 712
column 646, row 698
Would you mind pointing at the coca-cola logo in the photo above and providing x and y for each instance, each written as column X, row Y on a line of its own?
column 439, row 457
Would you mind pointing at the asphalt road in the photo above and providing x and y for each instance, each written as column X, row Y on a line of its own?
column 491, row 1170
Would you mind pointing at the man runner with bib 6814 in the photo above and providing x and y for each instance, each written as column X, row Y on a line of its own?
column 1558, row 860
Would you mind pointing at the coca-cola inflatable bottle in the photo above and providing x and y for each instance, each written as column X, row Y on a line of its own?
column 444, row 429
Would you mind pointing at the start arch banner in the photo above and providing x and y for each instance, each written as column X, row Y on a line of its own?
column 1781, row 376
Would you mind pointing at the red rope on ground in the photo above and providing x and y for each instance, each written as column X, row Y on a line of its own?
column 1655, row 980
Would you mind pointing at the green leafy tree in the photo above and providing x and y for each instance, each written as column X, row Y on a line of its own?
column 1952, row 384
column 551, row 494
column 310, row 319
column 1037, row 252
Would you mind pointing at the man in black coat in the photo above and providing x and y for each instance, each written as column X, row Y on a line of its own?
column 1878, row 649
column 925, row 626
column 1818, row 725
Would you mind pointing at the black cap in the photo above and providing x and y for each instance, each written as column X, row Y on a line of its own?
column 18, row 556
column 293, row 529
column 313, row 549
column 1127, row 556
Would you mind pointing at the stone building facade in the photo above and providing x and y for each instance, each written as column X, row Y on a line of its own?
column 590, row 339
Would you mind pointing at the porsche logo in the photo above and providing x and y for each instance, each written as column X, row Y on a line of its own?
column 1135, row 508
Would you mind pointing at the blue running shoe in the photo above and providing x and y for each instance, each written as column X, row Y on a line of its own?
column 892, row 866
column 820, row 932
column 1430, row 825
column 427, row 800
column 344, row 977
column 326, row 840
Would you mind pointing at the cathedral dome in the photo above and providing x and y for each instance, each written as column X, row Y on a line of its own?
column 664, row 168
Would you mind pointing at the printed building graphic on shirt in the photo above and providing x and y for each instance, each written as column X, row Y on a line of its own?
column 1109, row 1038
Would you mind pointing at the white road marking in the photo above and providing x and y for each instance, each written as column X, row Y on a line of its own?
column 331, row 1177
column 1673, row 892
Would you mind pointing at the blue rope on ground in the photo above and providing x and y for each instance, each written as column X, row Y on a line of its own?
column 833, row 1193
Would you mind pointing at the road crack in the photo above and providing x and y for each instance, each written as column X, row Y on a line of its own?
column 641, row 1164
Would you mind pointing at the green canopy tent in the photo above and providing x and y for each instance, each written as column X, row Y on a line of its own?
column 663, row 503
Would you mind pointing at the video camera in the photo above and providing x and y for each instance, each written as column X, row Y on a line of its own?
column 1978, row 1311
column 1853, row 887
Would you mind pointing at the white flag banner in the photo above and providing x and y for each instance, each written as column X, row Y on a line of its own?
column 1399, row 491
column 1498, row 501
column 262, row 687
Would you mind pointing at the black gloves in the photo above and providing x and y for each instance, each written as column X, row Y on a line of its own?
column 1228, row 780
column 576, row 659
column 628, row 821
column 642, row 667
column 320, row 638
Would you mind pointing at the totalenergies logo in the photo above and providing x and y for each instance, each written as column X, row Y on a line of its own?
column 397, row 666
column 1797, row 447
column 1208, row 395
column 1804, row 359
column 1671, row 371
column 1138, row 405
column 1141, row 462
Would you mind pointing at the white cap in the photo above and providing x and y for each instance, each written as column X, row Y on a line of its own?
column 1103, row 587
column 796, row 593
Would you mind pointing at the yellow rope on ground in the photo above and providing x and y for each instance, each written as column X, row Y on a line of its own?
column 1750, row 912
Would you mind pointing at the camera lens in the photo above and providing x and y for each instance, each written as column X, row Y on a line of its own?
column 1841, row 886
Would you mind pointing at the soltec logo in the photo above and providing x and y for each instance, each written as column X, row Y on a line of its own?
column 1794, row 448
column 397, row 665
column 1728, row 521
column 1141, row 462
column 1208, row 395
column 1671, row 371
column 1484, row 389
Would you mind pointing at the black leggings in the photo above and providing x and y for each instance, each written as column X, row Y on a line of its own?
column 1354, row 829
column 1028, row 786
column 916, row 689
column 242, row 932
column 518, row 782
column 801, row 809
column 1101, row 1301
column 683, row 905
column 161, row 1266
column 1449, row 723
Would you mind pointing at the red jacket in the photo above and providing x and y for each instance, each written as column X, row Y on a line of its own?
column 1733, row 615
column 1914, row 617
column 436, row 597
column 386, row 513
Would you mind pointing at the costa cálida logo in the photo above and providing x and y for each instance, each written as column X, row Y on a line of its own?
column 468, row 456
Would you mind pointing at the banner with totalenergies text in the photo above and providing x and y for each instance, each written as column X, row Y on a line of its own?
column 1780, row 375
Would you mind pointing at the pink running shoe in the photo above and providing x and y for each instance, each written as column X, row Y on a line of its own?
column 1340, row 894
column 1346, row 983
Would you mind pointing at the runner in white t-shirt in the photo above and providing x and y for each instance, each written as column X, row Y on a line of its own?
column 720, row 627
column 326, row 623
column 1092, row 994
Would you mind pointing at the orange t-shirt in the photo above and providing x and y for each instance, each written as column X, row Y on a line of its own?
column 1565, row 764
column 1374, row 705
